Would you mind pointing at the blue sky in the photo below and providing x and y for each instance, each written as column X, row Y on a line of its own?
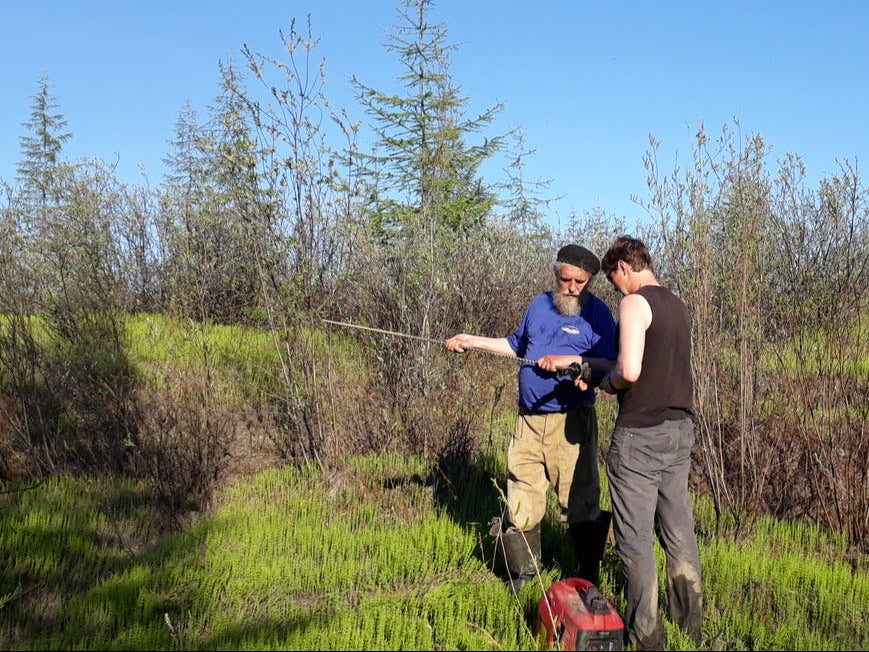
column 586, row 82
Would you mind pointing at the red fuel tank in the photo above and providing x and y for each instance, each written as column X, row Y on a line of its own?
column 574, row 614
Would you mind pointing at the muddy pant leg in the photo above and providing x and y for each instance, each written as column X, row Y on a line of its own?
column 527, row 483
column 633, row 472
column 678, row 538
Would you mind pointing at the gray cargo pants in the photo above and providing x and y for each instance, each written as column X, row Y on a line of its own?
column 648, row 480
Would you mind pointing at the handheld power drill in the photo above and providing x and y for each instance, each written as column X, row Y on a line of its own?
column 576, row 370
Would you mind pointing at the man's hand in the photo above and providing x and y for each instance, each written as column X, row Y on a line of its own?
column 558, row 363
column 568, row 365
column 459, row 343
column 606, row 385
column 580, row 383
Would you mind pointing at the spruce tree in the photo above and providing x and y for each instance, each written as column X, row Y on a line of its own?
column 41, row 147
column 238, row 211
column 183, row 205
column 425, row 201
column 422, row 165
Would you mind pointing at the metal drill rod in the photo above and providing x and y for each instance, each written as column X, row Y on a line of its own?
column 424, row 339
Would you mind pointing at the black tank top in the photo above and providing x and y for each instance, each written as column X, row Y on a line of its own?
column 665, row 389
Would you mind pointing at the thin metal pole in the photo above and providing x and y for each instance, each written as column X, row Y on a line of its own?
column 424, row 339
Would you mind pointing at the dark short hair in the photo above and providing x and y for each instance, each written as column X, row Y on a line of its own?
column 631, row 250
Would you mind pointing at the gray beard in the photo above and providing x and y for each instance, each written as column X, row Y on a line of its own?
column 566, row 304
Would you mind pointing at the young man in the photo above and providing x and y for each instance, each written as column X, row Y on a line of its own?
column 650, row 453
column 555, row 439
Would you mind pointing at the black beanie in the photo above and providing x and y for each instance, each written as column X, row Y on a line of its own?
column 579, row 257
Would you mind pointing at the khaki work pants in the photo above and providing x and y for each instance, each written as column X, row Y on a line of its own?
column 557, row 449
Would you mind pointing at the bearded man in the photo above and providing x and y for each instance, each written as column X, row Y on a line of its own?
column 555, row 442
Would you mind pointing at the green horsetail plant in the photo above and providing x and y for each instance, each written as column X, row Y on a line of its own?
column 372, row 556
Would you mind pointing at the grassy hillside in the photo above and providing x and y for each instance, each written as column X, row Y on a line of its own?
column 379, row 556
column 381, row 551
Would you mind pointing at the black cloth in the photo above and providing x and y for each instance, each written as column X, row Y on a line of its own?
column 665, row 389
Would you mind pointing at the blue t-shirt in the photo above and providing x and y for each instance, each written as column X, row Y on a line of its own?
column 545, row 331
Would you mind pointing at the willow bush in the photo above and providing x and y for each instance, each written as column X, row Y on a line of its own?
column 775, row 274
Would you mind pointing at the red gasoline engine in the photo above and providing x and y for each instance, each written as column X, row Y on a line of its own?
column 575, row 615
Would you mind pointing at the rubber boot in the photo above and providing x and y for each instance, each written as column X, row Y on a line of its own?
column 589, row 542
column 520, row 550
